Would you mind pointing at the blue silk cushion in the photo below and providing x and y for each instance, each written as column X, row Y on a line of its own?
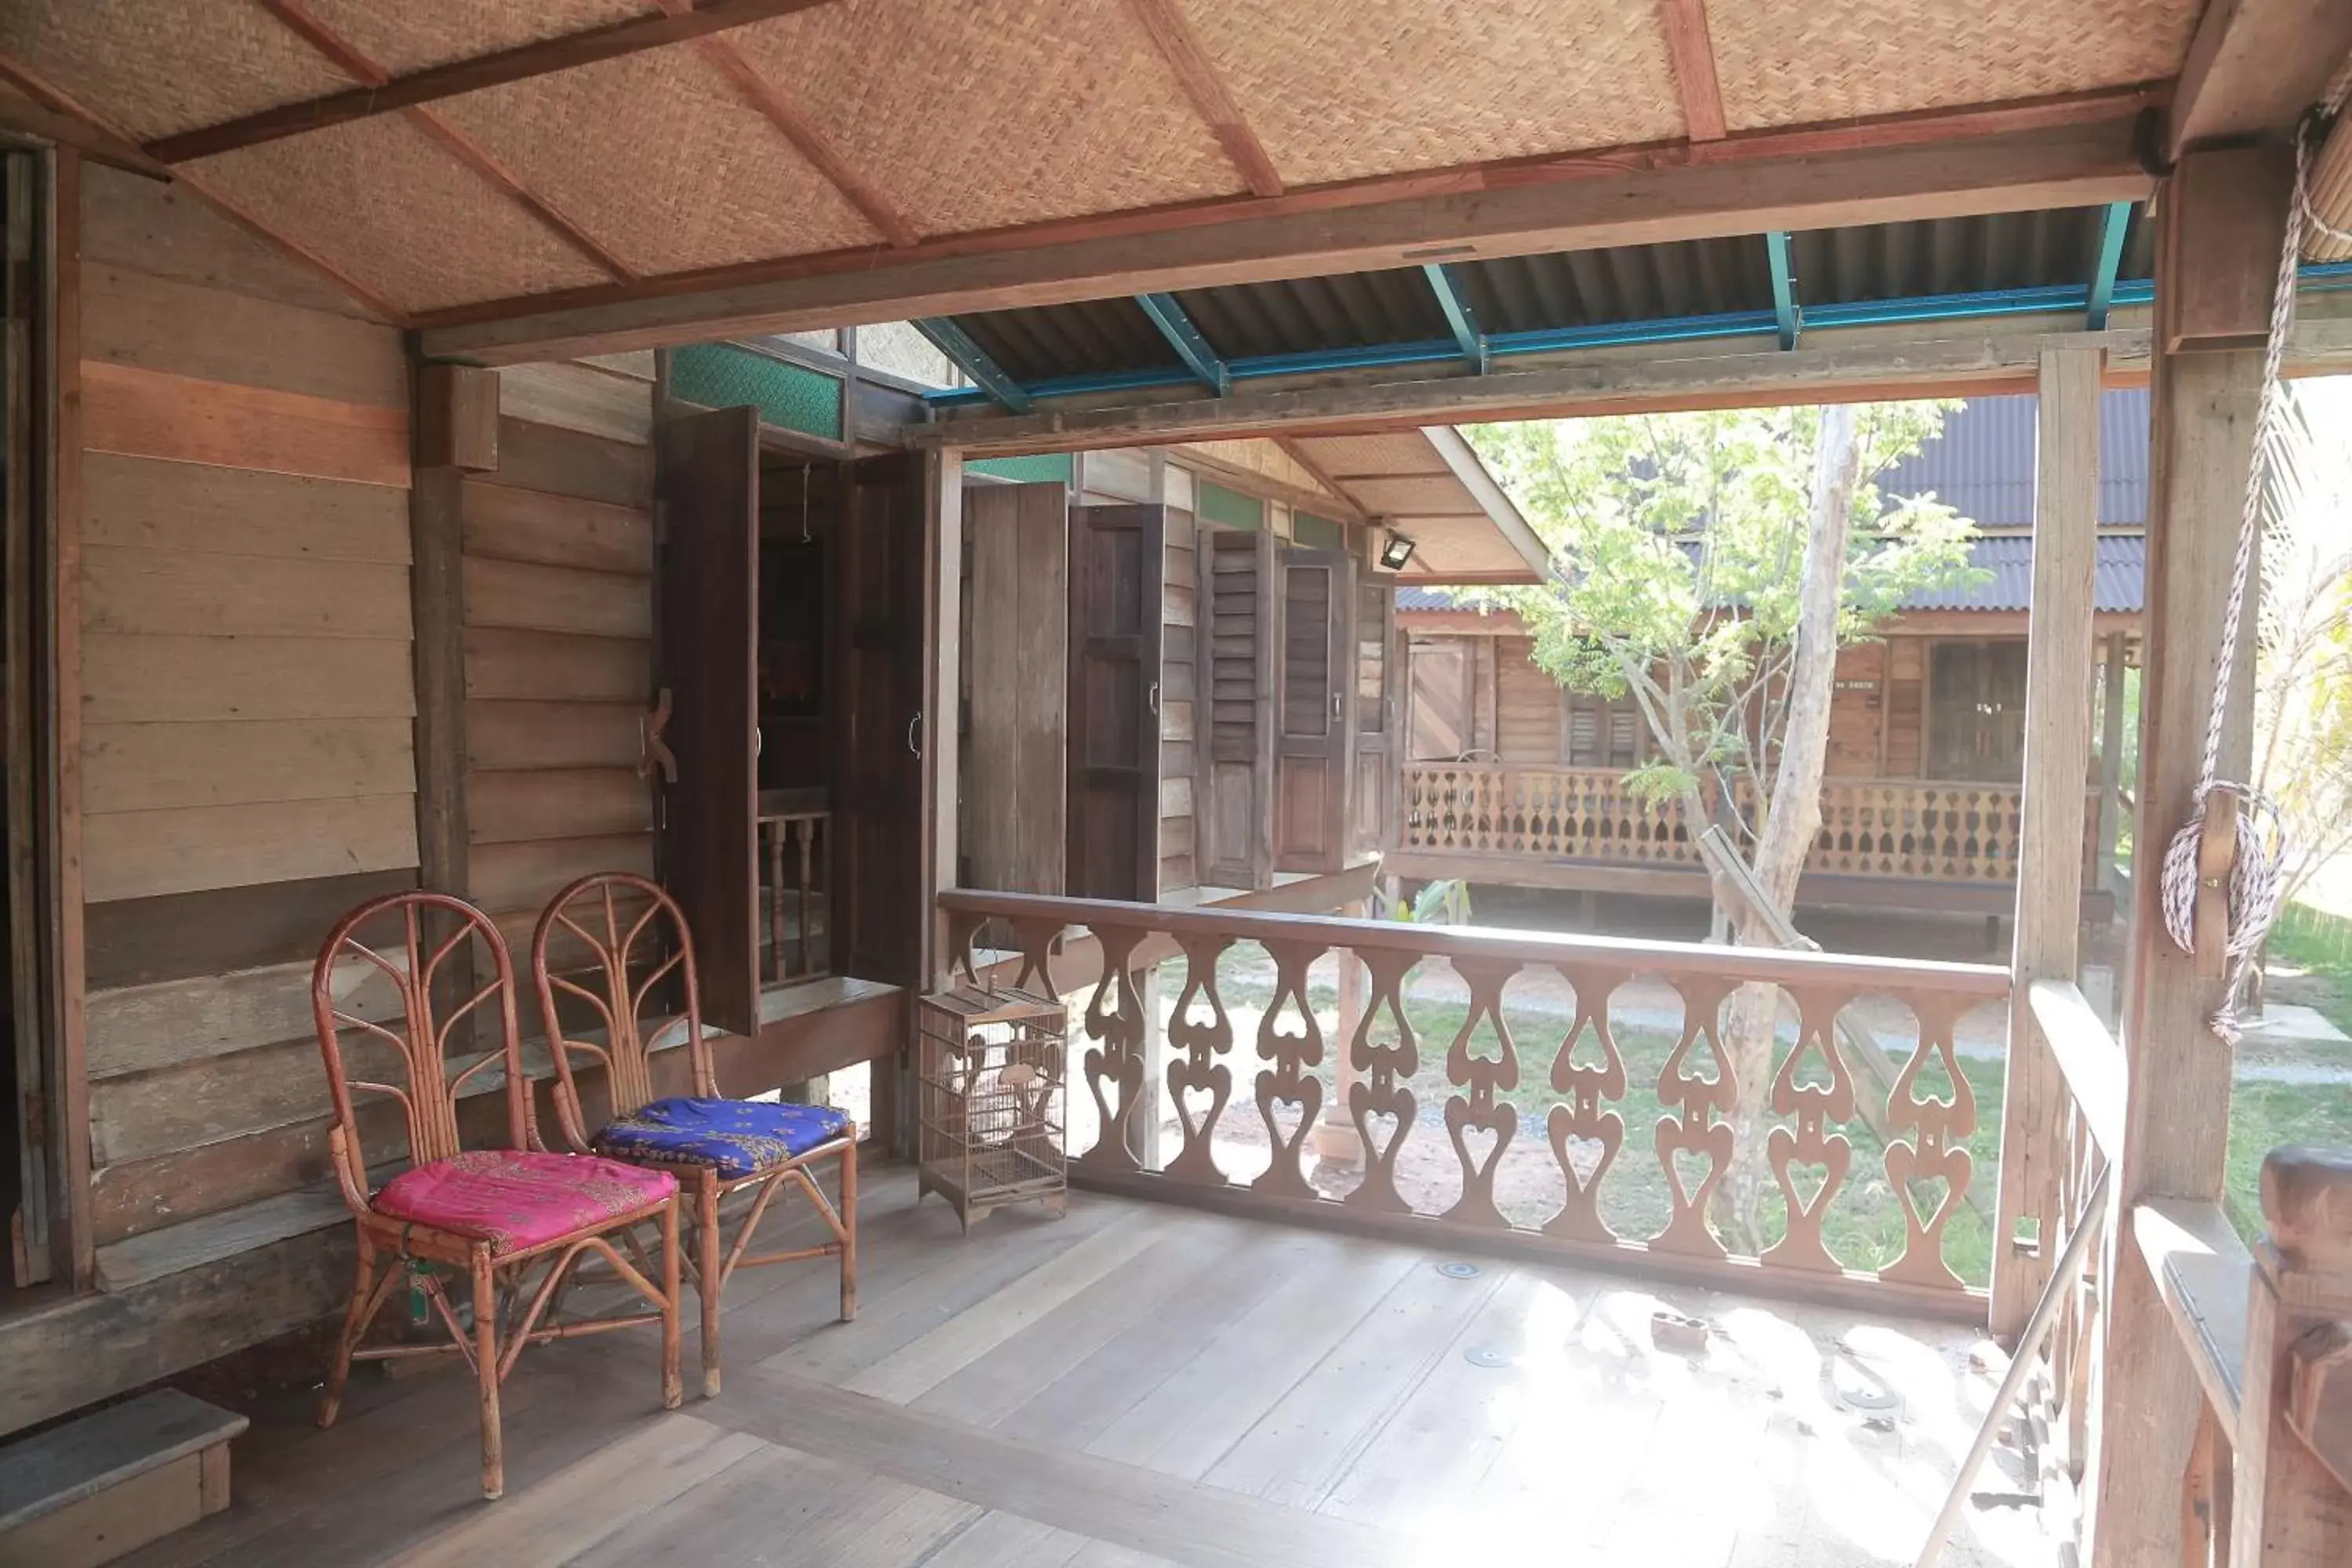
column 736, row 1137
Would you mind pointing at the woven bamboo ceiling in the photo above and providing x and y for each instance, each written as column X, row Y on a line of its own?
column 443, row 156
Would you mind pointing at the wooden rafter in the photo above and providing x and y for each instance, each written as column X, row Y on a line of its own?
column 1174, row 37
column 22, row 114
column 347, row 58
column 1297, row 454
column 1693, row 53
column 802, row 131
column 61, row 102
column 521, row 63
column 2079, row 151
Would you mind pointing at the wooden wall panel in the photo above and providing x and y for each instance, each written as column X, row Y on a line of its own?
column 134, row 503
column 141, row 854
column 1180, row 716
column 190, row 593
column 558, row 659
column 1857, row 711
column 1526, row 705
column 154, row 414
column 153, row 767
column 1906, row 706
column 247, row 754
column 1017, row 650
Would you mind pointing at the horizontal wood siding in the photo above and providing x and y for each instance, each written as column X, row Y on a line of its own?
column 1526, row 705
column 247, row 766
column 559, row 656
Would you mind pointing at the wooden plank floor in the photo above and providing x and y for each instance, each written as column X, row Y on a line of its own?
column 1141, row 1384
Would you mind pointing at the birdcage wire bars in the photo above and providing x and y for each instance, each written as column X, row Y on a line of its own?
column 989, row 1082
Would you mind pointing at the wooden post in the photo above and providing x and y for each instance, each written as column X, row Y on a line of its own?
column 2220, row 218
column 1143, row 1128
column 943, row 640
column 2034, row 1140
column 2293, row 1456
column 2111, row 759
column 1337, row 1141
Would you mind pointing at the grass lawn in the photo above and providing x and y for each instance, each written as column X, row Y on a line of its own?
column 2264, row 1115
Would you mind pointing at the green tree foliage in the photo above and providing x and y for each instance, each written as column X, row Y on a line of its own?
column 1677, row 542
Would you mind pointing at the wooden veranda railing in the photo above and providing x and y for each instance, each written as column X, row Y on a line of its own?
column 1566, row 1097
column 1918, row 829
column 795, row 886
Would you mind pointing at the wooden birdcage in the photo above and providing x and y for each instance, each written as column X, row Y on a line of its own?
column 989, row 1100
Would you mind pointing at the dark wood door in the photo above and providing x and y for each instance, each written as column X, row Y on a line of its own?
column 881, row 733
column 708, row 475
column 1313, row 737
column 1117, row 559
column 1233, row 827
column 1376, row 677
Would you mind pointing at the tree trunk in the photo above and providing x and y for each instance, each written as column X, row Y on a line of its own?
column 1795, row 815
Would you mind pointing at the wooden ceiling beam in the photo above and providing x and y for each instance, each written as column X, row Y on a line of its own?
column 1692, row 51
column 1177, row 44
column 2253, row 68
column 521, row 63
column 24, row 114
column 1349, row 507
column 57, row 101
column 1827, row 367
column 2083, row 153
column 810, row 142
column 347, row 58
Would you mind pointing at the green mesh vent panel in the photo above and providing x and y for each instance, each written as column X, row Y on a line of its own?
column 1316, row 533
column 1230, row 508
column 788, row 396
column 1043, row 468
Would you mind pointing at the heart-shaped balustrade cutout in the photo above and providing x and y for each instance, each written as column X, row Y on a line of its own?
column 1587, row 1050
column 1806, row 1180
column 1484, row 1043
column 1194, row 1103
column 1692, row 1168
column 1813, row 1068
column 1286, row 1115
column 1381, row 1130
column 1481, row 1144
column 1929, row 1194
column 1584, row 1157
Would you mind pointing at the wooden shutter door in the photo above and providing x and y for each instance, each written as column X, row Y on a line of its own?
column 879, row 733
column 1377, row 755
column 1312, row 726
column 1117, row 563
column 1439, row 729
column 708, row 475
column 1235, row 834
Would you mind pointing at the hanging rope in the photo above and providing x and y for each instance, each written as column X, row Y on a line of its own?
column 2254, row 872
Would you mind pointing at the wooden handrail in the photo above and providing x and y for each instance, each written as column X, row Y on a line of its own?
column 2203, row 1272
column 1491, row 944
column 2088, row 1057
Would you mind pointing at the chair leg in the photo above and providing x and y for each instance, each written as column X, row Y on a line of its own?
column 849, row 1229
column 709, row 1284
column 485, row 1368
column 673, row 1393
column 354, row 1325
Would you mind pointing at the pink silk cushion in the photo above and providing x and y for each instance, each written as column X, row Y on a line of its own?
column 516, row 1199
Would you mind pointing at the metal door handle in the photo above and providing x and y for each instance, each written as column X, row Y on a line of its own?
column 914, row 729
column 1335, row 705
column 1152, row 697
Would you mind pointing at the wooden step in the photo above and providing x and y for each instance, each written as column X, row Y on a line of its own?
column 108, row 1483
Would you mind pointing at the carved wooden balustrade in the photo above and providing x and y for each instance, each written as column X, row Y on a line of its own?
column 795, row 885
column 1920, row 829
column 1546, row 1080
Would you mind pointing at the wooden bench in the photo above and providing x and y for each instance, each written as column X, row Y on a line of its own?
column 94, row 1489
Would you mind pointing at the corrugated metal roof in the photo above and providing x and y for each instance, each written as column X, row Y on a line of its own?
column 1982, row 463
column 1617, row 286
column 2120, row 585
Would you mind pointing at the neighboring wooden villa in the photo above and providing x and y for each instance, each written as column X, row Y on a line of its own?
column 1510, row 779
column 926, row 485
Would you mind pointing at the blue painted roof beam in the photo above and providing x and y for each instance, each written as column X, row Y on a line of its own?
column 1199, row 356
column 974, row 362
column 1784, row 288
column 1463, row 325
column 2112, row 225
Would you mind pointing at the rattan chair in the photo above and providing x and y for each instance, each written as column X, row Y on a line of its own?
column 714, row 1146
column 513, row 1218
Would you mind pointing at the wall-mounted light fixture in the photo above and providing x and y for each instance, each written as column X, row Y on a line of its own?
column 1396, row 552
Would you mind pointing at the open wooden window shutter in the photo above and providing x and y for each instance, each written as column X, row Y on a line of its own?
column 877, row 820
column 1118, row 562
column 1313, row 722
column 1376, row 677
column 708, row 474
column 1439, row 727
column 1232, row 802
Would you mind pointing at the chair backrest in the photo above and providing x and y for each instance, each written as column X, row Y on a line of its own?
column 616, row 921
column 420, row 1080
